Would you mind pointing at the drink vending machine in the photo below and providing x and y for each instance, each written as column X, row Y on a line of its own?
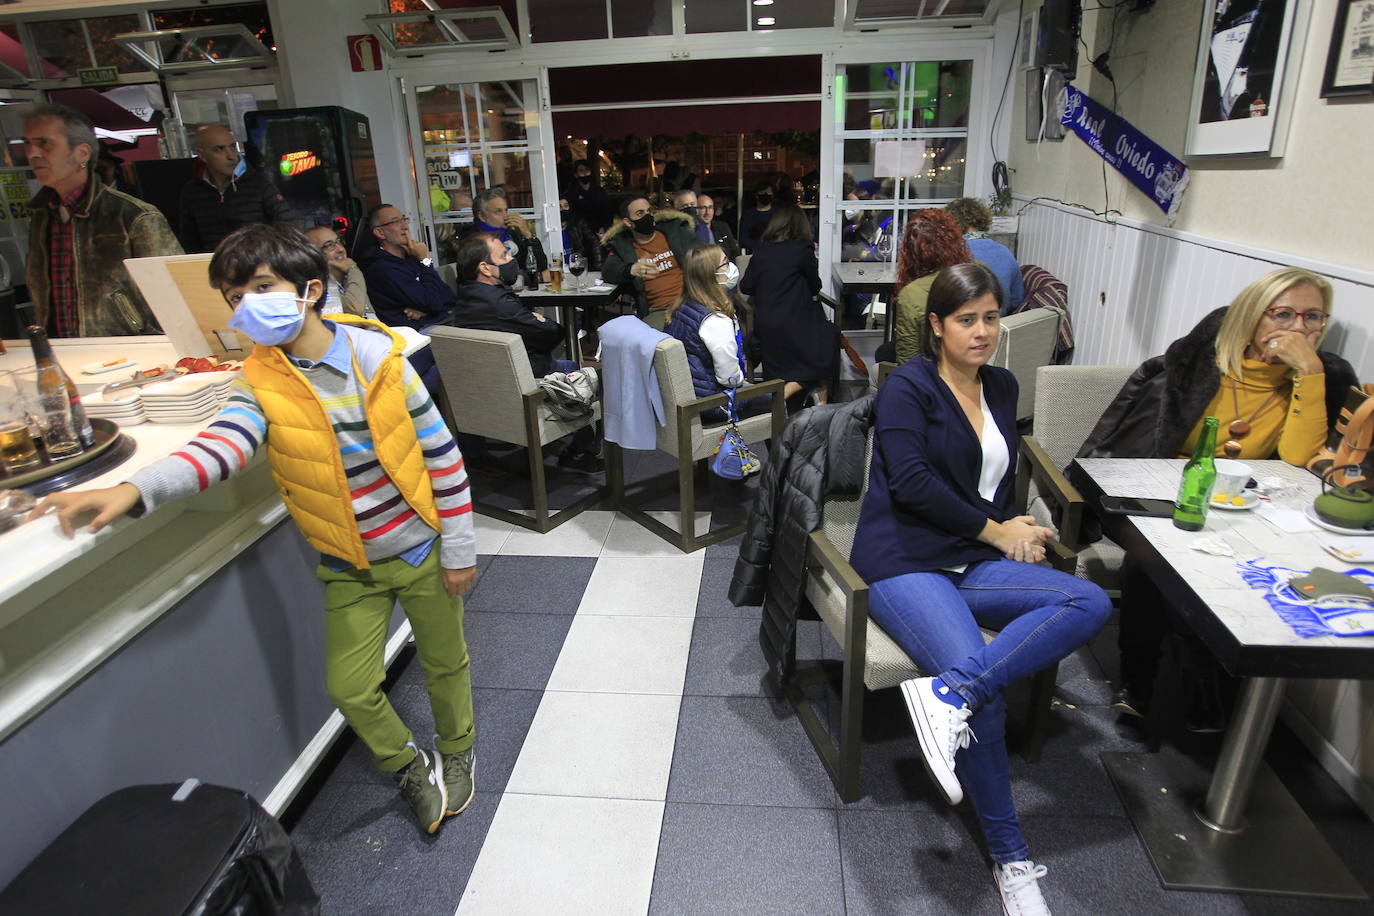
column 322, row 163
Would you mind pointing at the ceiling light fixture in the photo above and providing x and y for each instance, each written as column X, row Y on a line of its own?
column 766, row 20
column 763, row 2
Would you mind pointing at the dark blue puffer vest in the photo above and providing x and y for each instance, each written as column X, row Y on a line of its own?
column 686, row 327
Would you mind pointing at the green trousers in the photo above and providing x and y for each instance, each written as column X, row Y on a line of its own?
column 357, row 609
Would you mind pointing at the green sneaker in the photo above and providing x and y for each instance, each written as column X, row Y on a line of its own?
column 422, row 786
column 459, row 780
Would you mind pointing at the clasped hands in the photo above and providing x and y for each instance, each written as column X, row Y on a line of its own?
column 1021, row 539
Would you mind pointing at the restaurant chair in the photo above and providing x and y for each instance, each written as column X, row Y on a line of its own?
column 870, row 659
column 1044, row 289
column 1069, row 400
column 1026, row 342
column 689, row 441
column 492, row 392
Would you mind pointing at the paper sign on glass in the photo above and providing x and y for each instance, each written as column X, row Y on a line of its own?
column 898, row 158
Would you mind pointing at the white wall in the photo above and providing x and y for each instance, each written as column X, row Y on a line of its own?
column 1317, row 201
column 313, row 56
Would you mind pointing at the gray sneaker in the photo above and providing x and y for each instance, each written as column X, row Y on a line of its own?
column 422, row 786
column 459, row 779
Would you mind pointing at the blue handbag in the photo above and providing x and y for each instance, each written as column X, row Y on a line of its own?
column 733, row 459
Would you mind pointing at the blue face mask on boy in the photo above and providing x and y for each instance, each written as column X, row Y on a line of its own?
column 271, row 319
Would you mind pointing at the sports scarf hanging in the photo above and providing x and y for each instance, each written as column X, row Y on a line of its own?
column 1160, row 175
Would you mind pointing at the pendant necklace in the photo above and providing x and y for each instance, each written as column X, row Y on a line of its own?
column 1239, row 428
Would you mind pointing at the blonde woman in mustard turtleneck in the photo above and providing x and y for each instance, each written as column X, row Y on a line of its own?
column 1255, row 366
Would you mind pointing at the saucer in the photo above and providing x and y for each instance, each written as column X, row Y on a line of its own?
column 1251, row 501
column 1311, row 513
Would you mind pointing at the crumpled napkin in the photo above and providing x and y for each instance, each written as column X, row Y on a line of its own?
column 1213, row 545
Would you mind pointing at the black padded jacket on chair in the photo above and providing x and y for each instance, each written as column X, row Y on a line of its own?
column 820, row 454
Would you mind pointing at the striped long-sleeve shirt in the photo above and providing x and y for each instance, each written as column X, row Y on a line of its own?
column 389, row 526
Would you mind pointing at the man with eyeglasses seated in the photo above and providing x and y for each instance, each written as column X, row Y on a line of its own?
column 492, row 215
column 402, row 283
column 347, row 290
column 486, row 302
column 224, row 193
column 721, row 233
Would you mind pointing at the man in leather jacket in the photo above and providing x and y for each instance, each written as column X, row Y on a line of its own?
column 80, row 232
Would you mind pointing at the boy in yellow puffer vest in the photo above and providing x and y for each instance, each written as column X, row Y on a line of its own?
column 372, row 477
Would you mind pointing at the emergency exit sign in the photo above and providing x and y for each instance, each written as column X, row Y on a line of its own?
column 98, row 76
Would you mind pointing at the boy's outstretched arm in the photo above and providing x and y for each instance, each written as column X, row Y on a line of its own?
column 108, row 504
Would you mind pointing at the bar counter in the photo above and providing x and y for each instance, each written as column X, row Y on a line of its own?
column 188, row 643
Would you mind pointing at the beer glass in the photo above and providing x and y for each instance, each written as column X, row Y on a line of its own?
column 53, row 411
column 17, row 452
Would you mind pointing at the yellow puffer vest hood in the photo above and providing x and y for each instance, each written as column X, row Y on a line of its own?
column 304, row 454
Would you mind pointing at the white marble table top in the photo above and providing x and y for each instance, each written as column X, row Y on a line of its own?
column 1215, row 579
column 865, row 276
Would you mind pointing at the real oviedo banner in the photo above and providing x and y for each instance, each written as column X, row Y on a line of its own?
column 1160, row 175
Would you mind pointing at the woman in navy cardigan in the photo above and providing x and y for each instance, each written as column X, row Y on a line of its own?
column 944, row 553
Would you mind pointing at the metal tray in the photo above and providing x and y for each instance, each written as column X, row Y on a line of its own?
column 107, row 438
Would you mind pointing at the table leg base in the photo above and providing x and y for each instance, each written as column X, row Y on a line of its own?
column 1279, row 852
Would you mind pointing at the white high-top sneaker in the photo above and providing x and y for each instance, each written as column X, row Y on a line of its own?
column 1019, row 887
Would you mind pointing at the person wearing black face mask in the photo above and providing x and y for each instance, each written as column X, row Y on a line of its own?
column 588, row 199
column 686, row 202
column 486, row 271
column 486, row 302
column 645, row 256
column 578, row 236
column 755, row 220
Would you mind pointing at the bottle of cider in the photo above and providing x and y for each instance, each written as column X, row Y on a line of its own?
column 1199, row 474
column 51, row 375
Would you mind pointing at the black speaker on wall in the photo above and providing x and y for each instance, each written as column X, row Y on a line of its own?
column 1057, row 45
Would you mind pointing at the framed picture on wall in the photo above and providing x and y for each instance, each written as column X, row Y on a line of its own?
column 1246, row 75
column 1350, row 60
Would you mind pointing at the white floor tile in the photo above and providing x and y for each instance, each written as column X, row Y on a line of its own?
column 628, row 538
column 566, row 855
column 579, row 537
column 623, row 654
column 599, row 745
column 647, row 587
column 491, row 533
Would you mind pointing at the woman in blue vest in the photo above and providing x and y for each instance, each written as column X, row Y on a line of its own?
column 944, row 552
column 705, row 322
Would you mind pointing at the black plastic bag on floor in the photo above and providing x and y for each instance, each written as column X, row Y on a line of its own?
column 186, row 848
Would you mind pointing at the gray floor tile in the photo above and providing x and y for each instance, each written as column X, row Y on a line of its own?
column 726, row 659
column 737, row 859
column 368, row 856
column 901, row 862
column 532, row 585
column 745, row 751
column 713, row 599
column 515, row 651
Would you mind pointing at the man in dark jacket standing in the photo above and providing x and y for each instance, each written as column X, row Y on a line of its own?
column 587, row 198
column 80, row 232
column 646, row 251
column 221, row 198
column 486, row 303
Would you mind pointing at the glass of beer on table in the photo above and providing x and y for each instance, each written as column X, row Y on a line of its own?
column 52, row 409
column 17, row 452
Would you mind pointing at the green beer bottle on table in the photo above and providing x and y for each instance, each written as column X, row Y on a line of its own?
column 1199, row 474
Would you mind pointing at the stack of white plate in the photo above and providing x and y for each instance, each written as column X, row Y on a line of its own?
column 124, row 408
column 189, row 399
column 222, row 382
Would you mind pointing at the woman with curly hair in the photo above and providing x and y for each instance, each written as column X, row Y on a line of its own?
column 931, row 242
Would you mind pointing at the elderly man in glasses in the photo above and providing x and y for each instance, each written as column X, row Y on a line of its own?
column 402, row 283
column 347, row 290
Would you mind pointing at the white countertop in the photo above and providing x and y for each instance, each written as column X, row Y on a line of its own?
column 75, row 352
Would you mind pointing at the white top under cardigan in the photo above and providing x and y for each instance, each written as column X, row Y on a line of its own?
column 996, row 460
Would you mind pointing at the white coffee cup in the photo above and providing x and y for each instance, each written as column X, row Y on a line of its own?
column 1232, row 476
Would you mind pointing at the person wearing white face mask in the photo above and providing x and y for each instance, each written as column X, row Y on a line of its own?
column 704, row 320
column 371, row 476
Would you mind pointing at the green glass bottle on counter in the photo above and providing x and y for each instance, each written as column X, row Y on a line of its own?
column 1199, row 474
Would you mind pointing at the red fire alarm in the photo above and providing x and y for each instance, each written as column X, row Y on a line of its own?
column 364, row 53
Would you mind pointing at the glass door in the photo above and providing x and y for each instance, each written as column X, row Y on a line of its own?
column 467, row 138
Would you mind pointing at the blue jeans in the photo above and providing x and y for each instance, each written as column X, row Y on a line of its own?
column 1041, row 614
